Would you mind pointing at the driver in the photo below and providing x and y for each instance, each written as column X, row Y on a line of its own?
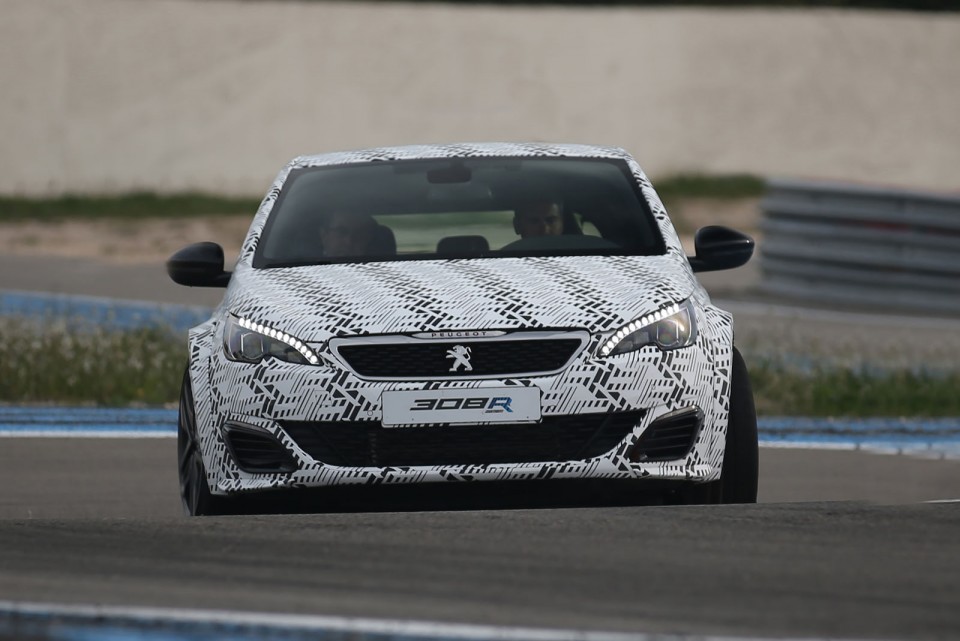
column 347, row 234
column 541, row 217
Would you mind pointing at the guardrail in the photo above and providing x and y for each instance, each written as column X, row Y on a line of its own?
column 850, row 244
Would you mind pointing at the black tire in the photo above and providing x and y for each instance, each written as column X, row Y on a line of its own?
column 738, row 480
column 741, row 458
column 194, row 490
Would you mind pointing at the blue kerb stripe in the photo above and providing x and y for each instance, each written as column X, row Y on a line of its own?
column 773, row 429
column 795, row 424
column 66, row 420
column 101, row 312
column 81, row 623
column 68, row 415
column 859, row 431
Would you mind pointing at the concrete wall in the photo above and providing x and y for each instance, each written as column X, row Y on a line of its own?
column 110, row 95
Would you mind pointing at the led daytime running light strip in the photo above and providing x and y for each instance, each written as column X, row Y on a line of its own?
column 296, row 344
column 636, row 325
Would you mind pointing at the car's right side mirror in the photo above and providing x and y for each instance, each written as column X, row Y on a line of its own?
column 720, row 248
column 199, row 265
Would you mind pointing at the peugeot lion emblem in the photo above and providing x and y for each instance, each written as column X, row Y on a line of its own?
column 460, row 356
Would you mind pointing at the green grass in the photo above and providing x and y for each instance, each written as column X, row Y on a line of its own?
column 126, row 206
column 51, row 362
column 729, row 187
column 844, row 391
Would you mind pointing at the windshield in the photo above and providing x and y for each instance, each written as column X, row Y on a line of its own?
column 457, row 208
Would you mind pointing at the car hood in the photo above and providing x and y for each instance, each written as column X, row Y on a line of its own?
column 596, row 293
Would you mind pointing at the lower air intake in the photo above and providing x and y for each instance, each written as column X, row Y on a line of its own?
column 257, row 451
column 668, row 438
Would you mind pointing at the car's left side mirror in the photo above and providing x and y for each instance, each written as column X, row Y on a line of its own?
column 198, row 265
column 720, row 248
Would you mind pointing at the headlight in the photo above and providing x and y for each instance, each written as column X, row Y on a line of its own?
column 250, row 342
column 669, row 328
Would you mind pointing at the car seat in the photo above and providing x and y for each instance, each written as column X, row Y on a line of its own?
column 382, row 242
column 570, row 225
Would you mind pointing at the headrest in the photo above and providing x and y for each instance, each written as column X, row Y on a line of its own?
column 463, row 245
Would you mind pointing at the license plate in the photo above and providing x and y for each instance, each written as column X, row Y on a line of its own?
column 501, row 405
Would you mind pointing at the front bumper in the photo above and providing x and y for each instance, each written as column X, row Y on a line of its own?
column 284, row 402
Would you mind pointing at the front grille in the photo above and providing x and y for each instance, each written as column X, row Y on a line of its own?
column 556, row 438
column 257, row 451
column 429, row 359
column 668, row 438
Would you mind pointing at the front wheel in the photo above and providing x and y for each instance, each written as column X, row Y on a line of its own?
column 194, row 490
column 738, row 479
column 741, row 459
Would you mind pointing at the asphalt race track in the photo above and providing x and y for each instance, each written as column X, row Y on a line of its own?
column 842, row 544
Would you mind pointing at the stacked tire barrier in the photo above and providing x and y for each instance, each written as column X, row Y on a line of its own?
column 836, row 243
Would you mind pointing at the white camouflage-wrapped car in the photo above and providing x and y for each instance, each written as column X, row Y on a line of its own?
column 470, row 312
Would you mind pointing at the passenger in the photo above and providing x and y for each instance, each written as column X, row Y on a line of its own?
column 346, row 234
column 542, row 217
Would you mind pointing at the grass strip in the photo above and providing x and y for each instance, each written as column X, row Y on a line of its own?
column 855, row 392
column 140, row 205
column 125, row 206
column 53, row 362
column 677, row 187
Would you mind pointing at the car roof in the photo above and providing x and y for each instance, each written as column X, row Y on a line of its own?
column 461, row 150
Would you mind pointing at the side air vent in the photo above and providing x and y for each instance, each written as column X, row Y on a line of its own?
column 668, row 438
column 257, row 451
